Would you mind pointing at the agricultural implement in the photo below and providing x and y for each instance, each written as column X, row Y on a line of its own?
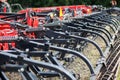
column 54, row 43
column 4, row 6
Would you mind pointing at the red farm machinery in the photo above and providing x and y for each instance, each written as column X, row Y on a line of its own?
column 59, row 43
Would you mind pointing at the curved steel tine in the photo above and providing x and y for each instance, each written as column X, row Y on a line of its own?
column 93, row 32
column 92, row 26
column 77, row 38
column 3, row 76
column 106, row 21
column 100, row 22
column 17, row 58
column 95, row 29
column 69, row 51
column 112, row 27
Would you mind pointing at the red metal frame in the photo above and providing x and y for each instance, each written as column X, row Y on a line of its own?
column 86, row 9
column 33, row 21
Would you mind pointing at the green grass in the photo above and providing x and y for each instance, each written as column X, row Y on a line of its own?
column 118, row 77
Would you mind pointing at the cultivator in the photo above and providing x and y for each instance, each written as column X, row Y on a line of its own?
column 4, row 6
column 40, row 45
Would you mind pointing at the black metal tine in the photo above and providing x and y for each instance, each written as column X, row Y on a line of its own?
column 28, row 61
column 3, row 76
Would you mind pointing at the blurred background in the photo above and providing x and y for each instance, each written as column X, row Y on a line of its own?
column 43, row 3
